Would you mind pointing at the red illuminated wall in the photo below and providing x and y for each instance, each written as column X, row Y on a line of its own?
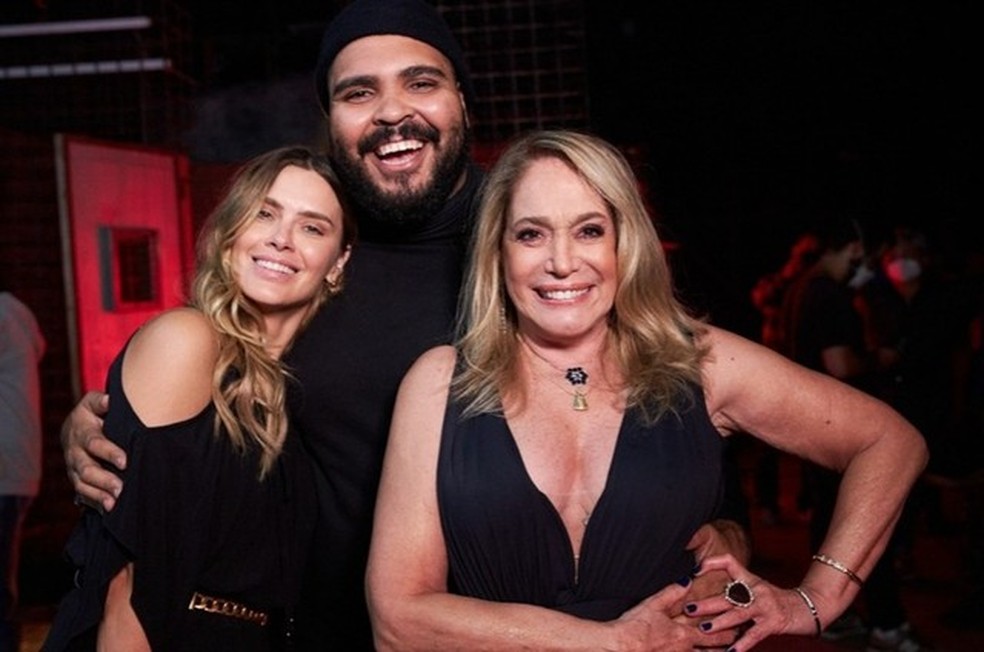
column 124, row 225
column 31, row 249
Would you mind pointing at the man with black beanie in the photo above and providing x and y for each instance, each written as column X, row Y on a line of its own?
column 395, row 90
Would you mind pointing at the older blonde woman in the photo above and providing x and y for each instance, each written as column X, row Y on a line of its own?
column 544, row 475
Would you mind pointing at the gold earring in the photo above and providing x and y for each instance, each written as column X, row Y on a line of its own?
column 504, row 325
column 334, row 284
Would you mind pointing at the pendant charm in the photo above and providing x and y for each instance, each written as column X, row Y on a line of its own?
column 576, row 376
column 580, row 402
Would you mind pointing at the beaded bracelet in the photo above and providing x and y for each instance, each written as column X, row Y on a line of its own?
column 813, row 609
column 836, row 565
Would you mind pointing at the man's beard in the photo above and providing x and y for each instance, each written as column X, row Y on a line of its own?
column 406, row 206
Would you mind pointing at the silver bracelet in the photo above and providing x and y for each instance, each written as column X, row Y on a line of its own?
column 836, row 565
column 813, row 609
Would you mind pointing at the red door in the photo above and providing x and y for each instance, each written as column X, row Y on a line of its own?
column 126, row 234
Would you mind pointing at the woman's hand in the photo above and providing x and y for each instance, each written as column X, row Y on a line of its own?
column 659, row 623
column 718, row 537
column 768, row 610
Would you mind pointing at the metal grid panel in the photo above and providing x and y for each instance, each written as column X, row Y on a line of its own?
column 125, row 76
column 528, row 62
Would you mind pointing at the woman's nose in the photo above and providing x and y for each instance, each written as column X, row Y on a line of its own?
column 563, row 260
column 281, row 238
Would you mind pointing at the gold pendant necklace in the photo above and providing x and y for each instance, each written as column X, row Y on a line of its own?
column 577, row 376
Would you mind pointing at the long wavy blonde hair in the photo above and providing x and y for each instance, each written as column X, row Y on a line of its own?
column 248, row 384
column 654, row 337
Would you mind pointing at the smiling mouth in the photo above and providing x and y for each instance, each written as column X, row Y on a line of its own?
column 274, row 266
column 398, row 147
column 562, row 295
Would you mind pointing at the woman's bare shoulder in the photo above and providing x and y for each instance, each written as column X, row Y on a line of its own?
column 168, row 367
column 431, row 370
column 427, row 381
column 438, row 360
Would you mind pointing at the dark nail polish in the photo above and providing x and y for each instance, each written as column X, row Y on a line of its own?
column 690, row 607
column 684, row 581
column 705, row 626
column 696, row 569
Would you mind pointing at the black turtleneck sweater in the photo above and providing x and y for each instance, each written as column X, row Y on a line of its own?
column 399, row 300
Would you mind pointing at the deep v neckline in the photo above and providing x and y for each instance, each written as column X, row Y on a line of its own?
column 575, row 560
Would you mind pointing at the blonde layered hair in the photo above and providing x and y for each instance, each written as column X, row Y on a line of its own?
column 652, row 336
column 248, row 384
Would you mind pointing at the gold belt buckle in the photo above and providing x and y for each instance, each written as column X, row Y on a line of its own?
column 222, row 607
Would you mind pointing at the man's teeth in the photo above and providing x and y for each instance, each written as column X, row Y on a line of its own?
column 562, row 295
column 276, row 267
column 399, row 146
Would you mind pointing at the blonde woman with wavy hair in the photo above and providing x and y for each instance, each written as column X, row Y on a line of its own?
column 646, row 317
column 251, row 405
column 547, row 477
column 207, row 544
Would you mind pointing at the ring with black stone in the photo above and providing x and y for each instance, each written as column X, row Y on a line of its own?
column 739, row 594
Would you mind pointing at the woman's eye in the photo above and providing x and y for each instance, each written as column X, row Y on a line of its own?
column 526, row 235
column 264, row 214
column 593, row 231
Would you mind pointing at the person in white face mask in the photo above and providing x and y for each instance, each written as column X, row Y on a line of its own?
column 864, row 273
column 918, row 322
column 903, row 270
column 824, row 329
column 924, row 319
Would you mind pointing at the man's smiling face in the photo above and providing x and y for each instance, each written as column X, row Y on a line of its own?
column 397, row 126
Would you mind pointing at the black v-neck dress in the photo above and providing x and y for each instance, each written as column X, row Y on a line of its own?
column 507, row 543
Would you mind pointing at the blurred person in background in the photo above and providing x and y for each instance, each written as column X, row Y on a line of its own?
column 22, row 346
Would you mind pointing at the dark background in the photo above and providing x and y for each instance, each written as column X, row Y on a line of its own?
column 742, row 117
column 755, row 114
column 748, row 116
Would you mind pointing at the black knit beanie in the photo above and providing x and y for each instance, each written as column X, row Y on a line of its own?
column 413, row 18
